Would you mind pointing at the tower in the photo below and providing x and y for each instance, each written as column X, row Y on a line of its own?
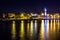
column 45, row 11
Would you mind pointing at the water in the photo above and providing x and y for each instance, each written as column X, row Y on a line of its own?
column 30, row 30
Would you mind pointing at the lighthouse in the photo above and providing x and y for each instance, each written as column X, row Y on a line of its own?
column 45, row 11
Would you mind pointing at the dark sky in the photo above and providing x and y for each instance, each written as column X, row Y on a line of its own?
column 29, row 5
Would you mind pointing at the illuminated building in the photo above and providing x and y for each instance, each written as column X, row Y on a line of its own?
column 45, row 11
column 34, row 16
column 11, row 15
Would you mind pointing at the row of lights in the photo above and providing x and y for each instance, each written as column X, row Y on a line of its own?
column 22, row 15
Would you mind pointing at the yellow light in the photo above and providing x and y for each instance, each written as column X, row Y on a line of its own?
column 42, row 30
column 58, row 16
column 31, row 28
column 51, row 16
column 42, row 14
column 47, row 14
column 22, row 15
column 58, row 25
column 13, row 30
column 28, row 27
column 51, row 25
column 22, row 29
column 54, row 16
column 4, row 15
column 54, row 26
column 11, row 15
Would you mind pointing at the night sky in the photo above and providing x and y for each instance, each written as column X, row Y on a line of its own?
column 29, row 5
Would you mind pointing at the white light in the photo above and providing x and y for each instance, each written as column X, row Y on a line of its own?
column 45, row 9
column 34, row 14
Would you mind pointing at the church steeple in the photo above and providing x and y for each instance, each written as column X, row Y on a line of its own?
column 45, row 11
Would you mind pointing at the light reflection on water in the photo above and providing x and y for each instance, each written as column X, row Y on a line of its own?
column 22, row 30
column 31, row 29
column 48, row 30
column 44, row 32
column 35, row 26
column 28, row 29
column 13, row 31
column 58, row 24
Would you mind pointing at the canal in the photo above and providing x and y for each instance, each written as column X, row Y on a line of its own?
column 30, row 30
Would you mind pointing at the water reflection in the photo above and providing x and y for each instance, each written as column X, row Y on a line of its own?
column 35, row 26
column 49, row 29
column 22, row 30
column 30, row 30
column 54, row 25
column 13, row 31
column 51, row 25
column 35, row 30
column 46, row 29
column 58, row 24
column 42, row 30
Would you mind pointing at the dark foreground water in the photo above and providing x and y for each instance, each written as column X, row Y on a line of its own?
column 30, row 30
